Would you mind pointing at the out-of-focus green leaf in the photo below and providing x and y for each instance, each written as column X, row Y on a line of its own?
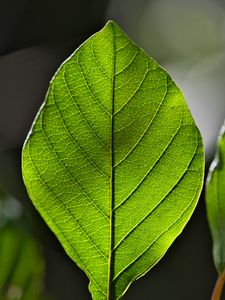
column 114, row 162
column 215, row 200
column 21, row 261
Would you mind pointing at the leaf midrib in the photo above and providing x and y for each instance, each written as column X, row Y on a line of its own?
column 112, row 181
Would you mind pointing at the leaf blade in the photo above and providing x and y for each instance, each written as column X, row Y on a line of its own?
column 108, row 105
column 215, row 195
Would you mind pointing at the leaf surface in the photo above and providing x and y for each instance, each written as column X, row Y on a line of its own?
column 215, row 200
column 114, row 162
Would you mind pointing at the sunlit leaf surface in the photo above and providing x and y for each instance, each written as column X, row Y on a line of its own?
column 114, row 161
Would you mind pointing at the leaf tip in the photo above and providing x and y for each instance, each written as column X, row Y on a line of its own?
column 112, row 25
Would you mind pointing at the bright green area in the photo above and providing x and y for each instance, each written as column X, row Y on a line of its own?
column 215, row 200
column 114, row 162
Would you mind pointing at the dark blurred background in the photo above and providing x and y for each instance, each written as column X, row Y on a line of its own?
column 185, row 37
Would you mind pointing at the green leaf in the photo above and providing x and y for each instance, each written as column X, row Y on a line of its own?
column 215, row 201
column 114, row 162
column 21, row 265
column 21, row 260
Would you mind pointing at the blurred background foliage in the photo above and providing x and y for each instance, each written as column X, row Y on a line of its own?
column 185, row 37
column 21, row 259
